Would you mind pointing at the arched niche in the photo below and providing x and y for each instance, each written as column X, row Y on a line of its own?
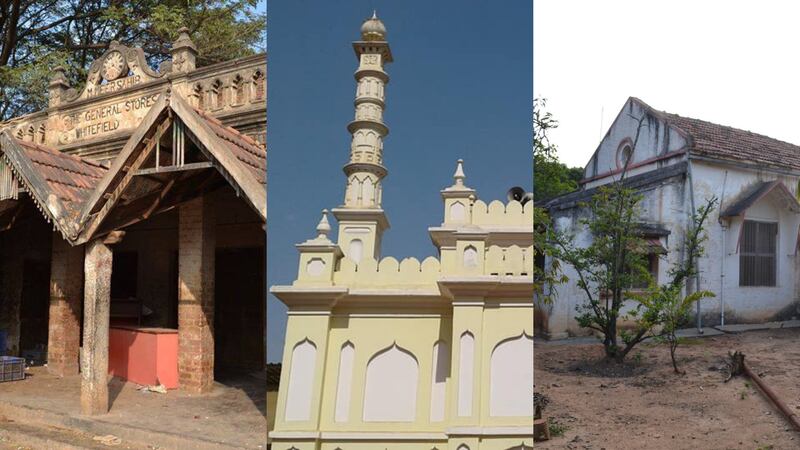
column 301, row 381
column 344, row 382
column 390, row 393
column 511, row 378
column 466, row 373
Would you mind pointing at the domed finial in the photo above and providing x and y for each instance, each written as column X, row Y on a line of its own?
column 323, row 228
column 459, row 175
column 373, row 29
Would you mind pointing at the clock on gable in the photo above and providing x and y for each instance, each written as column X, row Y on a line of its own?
column 114, row 66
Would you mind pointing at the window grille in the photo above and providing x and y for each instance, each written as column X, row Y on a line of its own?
column 757, row 254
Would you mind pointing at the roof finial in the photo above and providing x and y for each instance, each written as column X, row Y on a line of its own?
column 323, row 228
column 374, row 14
column 459, row 175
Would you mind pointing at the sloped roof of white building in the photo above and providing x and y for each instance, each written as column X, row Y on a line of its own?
column 724, row 142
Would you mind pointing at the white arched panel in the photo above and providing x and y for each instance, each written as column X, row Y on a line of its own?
column 390, row 394
column 345, row 382
column 368, row 192
column 466, row 373
column 441, row 362
column 470, row 257
column 458, row 211
column 301, row 381
column 356, row 250
column 511, row 378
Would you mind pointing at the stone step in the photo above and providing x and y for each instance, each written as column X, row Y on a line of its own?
column 134, row 437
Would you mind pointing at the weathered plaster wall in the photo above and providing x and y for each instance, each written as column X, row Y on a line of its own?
column 663, row 204
column 655, row 140
column 669, row 205
column 745, row 304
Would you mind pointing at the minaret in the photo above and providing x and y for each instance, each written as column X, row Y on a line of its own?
column 361, row 217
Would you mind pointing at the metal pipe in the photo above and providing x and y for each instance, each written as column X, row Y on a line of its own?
column 775, row 399
column 723, row 256
column 722, row 280
column 691, row 219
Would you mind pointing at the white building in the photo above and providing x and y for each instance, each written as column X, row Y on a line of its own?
column 751, row 261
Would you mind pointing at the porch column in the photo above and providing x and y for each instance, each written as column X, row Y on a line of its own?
column 64, row 333
column 197, row 243
column 97, row 299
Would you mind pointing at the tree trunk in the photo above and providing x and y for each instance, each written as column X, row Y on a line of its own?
column 673, row 346
column 610, row 342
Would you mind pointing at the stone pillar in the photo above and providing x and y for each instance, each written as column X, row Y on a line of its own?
column 96, row 308
column 66, row 283
column 184, row 53
column 58, row 86
column 196, row 296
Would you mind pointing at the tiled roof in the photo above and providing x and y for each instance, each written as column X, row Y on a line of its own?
column 246, row 149
column 70, row 178
column 756, row 192
column 724, row 142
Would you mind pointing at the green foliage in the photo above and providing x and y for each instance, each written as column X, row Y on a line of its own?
column 555, row 428
column 544, row 153
column 665, row 304
column 544, row 279
column 617, row 259
column 551, row 177
column 614, row 261
column 73, row 33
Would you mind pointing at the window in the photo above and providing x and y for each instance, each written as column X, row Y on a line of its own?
column 654, row 251
column 238, row 90
column 757, row 253
column 624, row 154
column 218, row 94
column 652, row 267
column 258, row 85
column 199, row 96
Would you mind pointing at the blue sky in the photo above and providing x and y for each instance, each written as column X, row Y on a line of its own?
column 461, row 87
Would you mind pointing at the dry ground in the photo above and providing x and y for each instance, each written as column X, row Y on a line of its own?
column 233, row 414
column 644, row 405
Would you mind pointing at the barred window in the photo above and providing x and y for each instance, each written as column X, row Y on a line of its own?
column 757, row 254
column 651, row 262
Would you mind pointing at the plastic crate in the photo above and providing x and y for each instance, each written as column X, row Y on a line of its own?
column 12, row 368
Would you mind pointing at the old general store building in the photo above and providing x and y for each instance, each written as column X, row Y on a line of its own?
column 751, row 262
column 132, row 223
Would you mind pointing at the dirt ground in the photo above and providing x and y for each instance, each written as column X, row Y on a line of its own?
column 644, row 405
column 233, row 413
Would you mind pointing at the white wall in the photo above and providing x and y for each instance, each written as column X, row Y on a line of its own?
column 745, row 304
column 670, row 205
